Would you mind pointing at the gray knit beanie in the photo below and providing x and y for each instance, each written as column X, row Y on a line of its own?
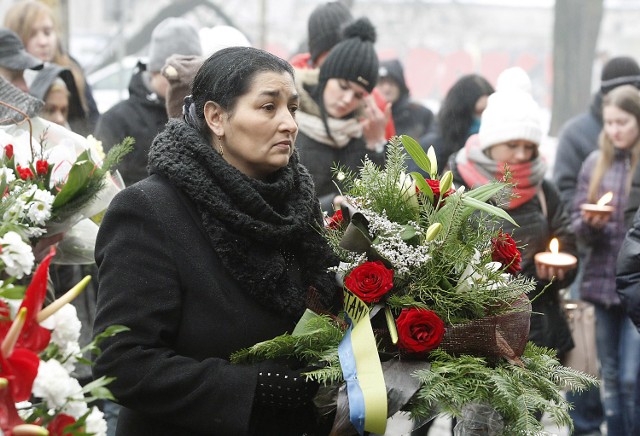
column 354, row 58
column 621, row 70
column 324, row 28
column 172, row 36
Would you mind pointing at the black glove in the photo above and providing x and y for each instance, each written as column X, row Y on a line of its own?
column 282, row 387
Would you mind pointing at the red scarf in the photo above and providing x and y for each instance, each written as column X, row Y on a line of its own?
column 476, row 169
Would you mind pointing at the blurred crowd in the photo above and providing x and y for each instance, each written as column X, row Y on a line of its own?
column 351, row 105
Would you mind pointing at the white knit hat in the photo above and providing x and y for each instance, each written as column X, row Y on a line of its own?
column 218, row 37
column 511, row 114
column 514, row 77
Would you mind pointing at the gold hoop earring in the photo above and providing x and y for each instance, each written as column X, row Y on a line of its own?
column 220, row 150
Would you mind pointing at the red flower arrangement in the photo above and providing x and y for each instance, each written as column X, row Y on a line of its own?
column 370, row 281
column 419, row 331
column 506, row 252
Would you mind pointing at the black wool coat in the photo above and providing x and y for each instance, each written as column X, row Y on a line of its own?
column 160, row 277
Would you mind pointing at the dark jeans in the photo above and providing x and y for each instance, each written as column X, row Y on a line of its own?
column 587, row 413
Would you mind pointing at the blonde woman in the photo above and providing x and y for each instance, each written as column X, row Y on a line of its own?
column 609, row 169
column 37, row 26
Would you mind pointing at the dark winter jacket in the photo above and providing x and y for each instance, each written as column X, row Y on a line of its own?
column 410, row 118
column 599, row 247
column 577, row 139
column 142, row 116
column 628, row 271
column 188, row 309
column 549, row 327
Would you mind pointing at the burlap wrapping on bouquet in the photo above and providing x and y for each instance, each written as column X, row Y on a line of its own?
column 502, row 335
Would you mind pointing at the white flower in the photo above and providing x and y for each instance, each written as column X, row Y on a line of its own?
column 39, row 208
column 16, row 255
column 55, row 386
column 96, row 423
column 65, row 332
column 7, row 175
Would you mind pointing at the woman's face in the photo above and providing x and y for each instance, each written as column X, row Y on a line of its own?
column 56, row 107
column 259, row 134
column 341, row 97
column 481, row 105
column 620, row 126
column 43, row 40
column 513, row 152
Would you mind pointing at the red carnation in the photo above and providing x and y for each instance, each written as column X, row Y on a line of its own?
column 335, row 221
column 370, row 281
column 506, row 252
column 419, row 331
column 25, row 173
column 42, row 167
column 8, row 151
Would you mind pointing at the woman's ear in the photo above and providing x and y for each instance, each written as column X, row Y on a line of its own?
column 213, row 116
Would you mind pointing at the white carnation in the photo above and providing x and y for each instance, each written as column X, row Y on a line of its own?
column 65, row 333
column 16, row 255
column 55, row 386
column 96, row 423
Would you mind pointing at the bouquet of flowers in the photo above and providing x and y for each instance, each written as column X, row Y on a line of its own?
column 436, row 317
column 46, row 186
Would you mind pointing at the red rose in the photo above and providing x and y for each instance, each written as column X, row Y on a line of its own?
column 435, row 188
column 370, row 281
column 419, row 330
column 24, row 173
column 335, row 221
column 506, row 252
column 42, row 167
column 8, row 151
column 57, row 426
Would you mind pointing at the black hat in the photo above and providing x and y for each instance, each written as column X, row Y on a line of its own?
column 13, row 56
column 354, row 58
column 621, row 70
column 324, row 28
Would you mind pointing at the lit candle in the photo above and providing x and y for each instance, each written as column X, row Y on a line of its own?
column 554, row 258
column 601, row 208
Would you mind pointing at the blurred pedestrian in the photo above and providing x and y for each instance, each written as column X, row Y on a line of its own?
column 143, row 115
column 339, row 122
column 457, row 119
column 37, row 25
column 506, row 147
column 14, row 59
column 609, row 169
column 325, row 28
column 409, row 117
column 55, row 86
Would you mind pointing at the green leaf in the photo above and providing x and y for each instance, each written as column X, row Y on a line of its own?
column 417, row 153
column 78, row 178
column 422, row 185
column 489, row 208
column 485, row 192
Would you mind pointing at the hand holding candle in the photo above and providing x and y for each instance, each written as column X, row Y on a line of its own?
column 597, row 215
column 553, row 263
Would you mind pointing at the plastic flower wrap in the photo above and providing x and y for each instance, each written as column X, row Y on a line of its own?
column 436, row 318
column 57, row 179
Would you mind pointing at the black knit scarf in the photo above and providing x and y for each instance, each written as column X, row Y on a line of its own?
column 266, row 233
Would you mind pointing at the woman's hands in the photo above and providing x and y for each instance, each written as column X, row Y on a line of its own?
column 282, row 387
column 374, row 123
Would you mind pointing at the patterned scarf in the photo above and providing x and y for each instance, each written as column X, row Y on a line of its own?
column 268, row 234
column 476, row 168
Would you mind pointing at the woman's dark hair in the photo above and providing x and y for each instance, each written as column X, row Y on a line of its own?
column 227, row 75
column 458, row 107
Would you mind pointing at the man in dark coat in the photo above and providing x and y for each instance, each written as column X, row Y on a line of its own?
column 143, row 115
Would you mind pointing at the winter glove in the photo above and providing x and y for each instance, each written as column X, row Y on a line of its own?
column 282, row 387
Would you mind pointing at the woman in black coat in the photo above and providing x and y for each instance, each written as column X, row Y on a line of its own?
column 218, row 249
